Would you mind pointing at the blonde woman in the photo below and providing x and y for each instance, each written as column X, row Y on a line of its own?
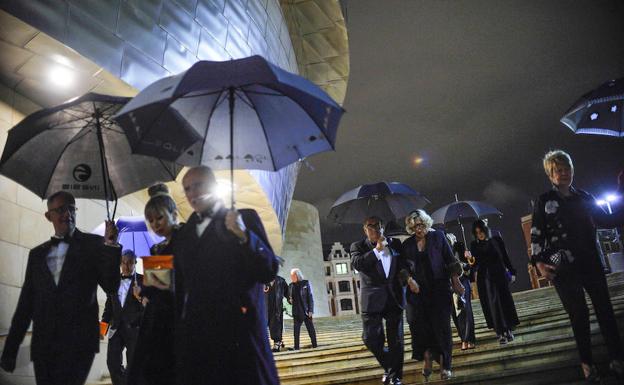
column 435, row 271
column 564, row 250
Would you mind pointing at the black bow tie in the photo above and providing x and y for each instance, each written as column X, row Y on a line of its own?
column 56, row 240
column 126, row 277
column 205, row 214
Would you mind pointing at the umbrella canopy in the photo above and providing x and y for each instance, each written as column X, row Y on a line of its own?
column 267, row 117
column 133, row 234
column 77, row 147
column 599, row 112
column 386, row 200
column 459, row 212
column 463, row 211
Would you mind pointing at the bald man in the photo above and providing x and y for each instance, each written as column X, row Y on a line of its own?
column 222, row 260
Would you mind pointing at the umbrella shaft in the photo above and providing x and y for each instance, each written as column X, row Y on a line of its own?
column 231, row 105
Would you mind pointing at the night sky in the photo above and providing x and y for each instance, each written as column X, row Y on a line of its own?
column 475, row 88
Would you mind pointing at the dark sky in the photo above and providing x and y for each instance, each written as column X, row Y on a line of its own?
column 476, row 88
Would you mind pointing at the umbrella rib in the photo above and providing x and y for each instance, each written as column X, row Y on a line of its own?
column 187, row 96
column 166, row 169
column 266, row 136
column 212, row 110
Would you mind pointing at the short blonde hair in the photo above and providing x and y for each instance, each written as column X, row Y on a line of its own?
column 410, row 220
column 554, row 158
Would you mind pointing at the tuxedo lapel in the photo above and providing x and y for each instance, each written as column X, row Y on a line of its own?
column 393, row 262
column 378, row 264
column 42, row 256
column 72, row 258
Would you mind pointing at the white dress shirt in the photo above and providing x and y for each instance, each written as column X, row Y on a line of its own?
column 124, row 288
column 205, row 222
column 56, row 258
column 386, row 259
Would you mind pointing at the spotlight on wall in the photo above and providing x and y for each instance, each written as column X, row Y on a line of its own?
column 61, row 76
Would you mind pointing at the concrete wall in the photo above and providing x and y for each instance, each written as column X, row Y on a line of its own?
column 303, row 249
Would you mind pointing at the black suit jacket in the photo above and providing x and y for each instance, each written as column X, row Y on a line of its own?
column 307, row 300
column 377, row 291
column 219, row 282
column 65, row 317
column 129, row 314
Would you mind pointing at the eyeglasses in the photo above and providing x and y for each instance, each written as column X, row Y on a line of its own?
column 373, row 226
column 62, row 209
column 419, row 225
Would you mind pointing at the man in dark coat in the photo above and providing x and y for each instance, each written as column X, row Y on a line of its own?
column 59, row 296
column 222, row 259
column 302, row 300
column 122, row 313
column 275, row 293
column 383, row 273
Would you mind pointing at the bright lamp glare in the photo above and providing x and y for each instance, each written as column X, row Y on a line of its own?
column 611, row 198
column 61, row 76
column 601, row 202
column 223, row 189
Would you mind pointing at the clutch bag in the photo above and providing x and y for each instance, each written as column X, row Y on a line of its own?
column 158, row 271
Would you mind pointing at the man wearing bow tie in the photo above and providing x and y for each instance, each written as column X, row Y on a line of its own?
column 123, row 313
column 222, row 260
column 59, row 296
column 383, row 274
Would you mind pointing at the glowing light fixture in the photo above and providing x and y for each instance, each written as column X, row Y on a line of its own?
column 61, row 76
column 418, row 161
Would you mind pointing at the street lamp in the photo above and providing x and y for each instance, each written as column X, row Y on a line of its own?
column 607, row 200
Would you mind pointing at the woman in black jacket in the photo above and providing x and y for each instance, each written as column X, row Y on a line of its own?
column 565, row 251
column 462, row 314
column 494, row 272
column 300, row 296
column 153, row 361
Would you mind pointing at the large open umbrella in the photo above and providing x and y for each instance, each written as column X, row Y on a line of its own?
column 459, row 212
column 386, row 200
column 599, row 112
column 241, row 114
column 77, row 147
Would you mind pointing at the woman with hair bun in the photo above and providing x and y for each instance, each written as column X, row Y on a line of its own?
column 153, row 361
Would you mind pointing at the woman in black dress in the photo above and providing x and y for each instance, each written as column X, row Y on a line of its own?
column 463, row 316
column 434, row 273
column 153, row 362
column 494, row 272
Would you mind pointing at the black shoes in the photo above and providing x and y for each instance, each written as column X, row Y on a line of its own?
column 509, row 335
column 385, row 379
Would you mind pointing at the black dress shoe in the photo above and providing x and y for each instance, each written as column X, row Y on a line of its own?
column 385, row 379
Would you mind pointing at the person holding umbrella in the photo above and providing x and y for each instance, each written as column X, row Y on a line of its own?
column 434, row 270
column 383, row 273
column 565, row 251
column 494, row 271
column 222, row 259
column 59, row 297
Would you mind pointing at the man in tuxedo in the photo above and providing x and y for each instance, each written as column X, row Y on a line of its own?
column 123, row 312
column 222, row 260
column 59, row 296
column 383, row 274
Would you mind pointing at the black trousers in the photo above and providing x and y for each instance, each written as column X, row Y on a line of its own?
column 391, row 359
column 311, row 331
column 126, row 338
column 569, row 284
column 464, row 322
column 276, row 327
column 63, row 368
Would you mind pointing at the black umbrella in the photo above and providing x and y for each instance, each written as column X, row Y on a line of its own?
column 386, row 200
column 459, row 212
column 77, row 147
column 242, row 114
column 599, row 112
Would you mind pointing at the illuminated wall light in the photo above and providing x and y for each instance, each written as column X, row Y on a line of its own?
column 418, row 161
column 61, row 76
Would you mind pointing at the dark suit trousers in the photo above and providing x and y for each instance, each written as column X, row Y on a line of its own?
column 63, row 368
column 570, row 284
column 123, row 338
column 311, row 331
column 373, row 336
column 276, row 326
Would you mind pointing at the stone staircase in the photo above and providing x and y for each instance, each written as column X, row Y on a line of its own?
column 543, row 352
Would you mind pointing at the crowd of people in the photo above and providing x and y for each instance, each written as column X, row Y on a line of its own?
column 204, row 318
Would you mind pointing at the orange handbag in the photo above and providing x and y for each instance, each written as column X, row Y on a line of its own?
column 158, row 271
